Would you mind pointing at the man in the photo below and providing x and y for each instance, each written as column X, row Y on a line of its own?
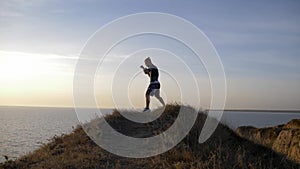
column 154, row 86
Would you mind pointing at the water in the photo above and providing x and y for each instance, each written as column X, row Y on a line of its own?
column 257, row 119
column 24, row 129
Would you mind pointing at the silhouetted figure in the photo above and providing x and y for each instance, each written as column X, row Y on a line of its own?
column 154, row 86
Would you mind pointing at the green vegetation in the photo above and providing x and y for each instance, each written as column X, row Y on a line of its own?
column 224, row 149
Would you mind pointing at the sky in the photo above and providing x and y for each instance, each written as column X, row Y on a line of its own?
column 257, row 41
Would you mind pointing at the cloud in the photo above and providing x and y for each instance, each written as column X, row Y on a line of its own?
column 36, row 63
column 6, row 13
column 17, row 8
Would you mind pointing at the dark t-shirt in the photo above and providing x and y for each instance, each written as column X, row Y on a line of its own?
column 152, row 73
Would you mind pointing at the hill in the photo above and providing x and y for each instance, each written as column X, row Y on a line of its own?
column 284, row 139
column 224, row 149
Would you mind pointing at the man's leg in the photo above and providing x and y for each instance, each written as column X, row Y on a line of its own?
column 147, row 101
column 157, row 95
column 147, row 95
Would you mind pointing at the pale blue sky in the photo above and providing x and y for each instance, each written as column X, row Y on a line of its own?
column 258, row 42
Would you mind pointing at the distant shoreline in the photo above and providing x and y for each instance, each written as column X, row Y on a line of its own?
column 232, row 110
column 59, row 107
column 256, row 110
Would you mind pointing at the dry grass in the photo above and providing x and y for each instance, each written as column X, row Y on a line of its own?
column 283, row 138
column 223, row 150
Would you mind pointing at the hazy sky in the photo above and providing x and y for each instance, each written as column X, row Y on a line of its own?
column 258, row 43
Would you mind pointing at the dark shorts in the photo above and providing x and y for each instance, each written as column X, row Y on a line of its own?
column 152, row 87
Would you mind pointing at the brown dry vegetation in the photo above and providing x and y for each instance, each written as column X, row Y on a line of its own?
column 283, row 138
column 224, row 149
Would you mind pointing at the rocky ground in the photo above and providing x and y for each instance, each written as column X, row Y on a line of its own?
column 284, row 139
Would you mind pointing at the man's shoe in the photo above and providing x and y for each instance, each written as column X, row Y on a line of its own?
column 146, row 110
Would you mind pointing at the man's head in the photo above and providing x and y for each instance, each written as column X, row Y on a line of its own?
column 148, row 62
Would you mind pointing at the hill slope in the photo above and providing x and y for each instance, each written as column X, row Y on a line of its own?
column 283, row 139
column 224, row 149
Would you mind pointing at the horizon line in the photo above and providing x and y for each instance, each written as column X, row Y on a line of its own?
column 205, row 110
